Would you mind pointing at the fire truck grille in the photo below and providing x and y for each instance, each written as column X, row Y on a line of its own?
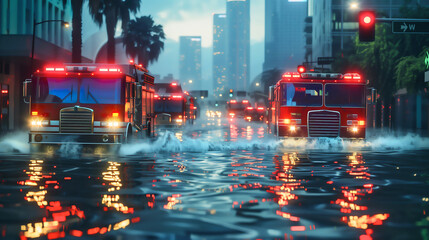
column 323, row 124
column 76, row 120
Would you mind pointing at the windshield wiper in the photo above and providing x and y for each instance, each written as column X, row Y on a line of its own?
column 68, row 94
column 90, row 94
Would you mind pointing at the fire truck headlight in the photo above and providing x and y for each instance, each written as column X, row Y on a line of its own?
column 179, row 120
column 355, row 129
column 292, row 128
column 112, row 124
column 38, row 122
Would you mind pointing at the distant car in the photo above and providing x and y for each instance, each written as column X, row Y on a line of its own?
column 235, row 108
column 254, row 114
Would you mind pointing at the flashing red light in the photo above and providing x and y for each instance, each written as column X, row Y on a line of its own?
column 245, row 101
column 103, row 69
column 367, row 20
column 233, row 101
column 115, row 114
column 131, row 61
column 287, row 75
column 156, row 96
column 301, row 69
column 249, row 108
column 350, row 76
column 260, row 108
column 50, row 69
column 34, row 113
column 4, row 91
column 59, row 69
column 361, row 123
column 113, row 70
column 177, row 96
column 174, row 84
column 367, row 26
column 140, row 65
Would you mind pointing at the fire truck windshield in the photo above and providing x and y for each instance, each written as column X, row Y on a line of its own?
column 168, row 106
column 56, row 90
column 301, row 94
column 344, row 95
column 100, row 91
column 73, row 90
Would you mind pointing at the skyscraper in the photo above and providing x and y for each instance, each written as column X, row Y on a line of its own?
column 284, row 33
column 190, row 62
column 219, row 53
column 238, row 45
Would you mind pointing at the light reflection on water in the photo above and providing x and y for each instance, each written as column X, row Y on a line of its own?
column 238, row 192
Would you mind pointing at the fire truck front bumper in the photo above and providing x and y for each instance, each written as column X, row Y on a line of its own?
column 76, row 138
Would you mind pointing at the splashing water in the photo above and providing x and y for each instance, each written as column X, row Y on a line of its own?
column 15, row 142
column 168, row 142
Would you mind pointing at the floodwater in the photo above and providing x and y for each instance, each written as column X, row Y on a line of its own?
column 219, row 181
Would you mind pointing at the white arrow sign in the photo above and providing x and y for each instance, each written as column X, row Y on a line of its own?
column 404, row 27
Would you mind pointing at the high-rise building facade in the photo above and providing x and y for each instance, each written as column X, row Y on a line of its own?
column 190, row 62
column 284, row 34
column 238, row 44
column 52, row 43
column 322, row 29
column 219, row 54
column 335, row 24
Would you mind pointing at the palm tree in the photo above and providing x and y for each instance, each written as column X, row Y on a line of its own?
column 144, row 40
column 77, row 29
column 113, row 11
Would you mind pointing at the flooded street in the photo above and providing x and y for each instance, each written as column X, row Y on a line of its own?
column 219, row 181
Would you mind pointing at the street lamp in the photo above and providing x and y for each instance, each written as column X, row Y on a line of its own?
column 64, row 23
column 353, row 6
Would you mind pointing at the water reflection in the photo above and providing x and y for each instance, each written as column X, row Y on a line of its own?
column 112, row 176
column 62, row 219
column 353, row 196
column 57, row 215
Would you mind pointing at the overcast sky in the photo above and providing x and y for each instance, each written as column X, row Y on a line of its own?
column 193, row 17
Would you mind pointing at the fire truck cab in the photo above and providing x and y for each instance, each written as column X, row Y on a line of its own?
column 171, row 105
column 90, row 104
column 318, row 105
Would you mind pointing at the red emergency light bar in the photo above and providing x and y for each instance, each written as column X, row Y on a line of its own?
column 249, row 108
column 174, row 84
column 109, row 69
column 350, row 76
column 245, row 101
column 291, row 75
column 260, row 108
column 4, row 91
column 233, row 101
column 177, row 96
column 52, row 69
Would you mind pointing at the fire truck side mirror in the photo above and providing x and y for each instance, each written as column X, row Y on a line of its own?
column 271, row 93
column 26, row 90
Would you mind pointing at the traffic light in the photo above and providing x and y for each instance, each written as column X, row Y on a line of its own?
column 366, row 26
column 301, row 69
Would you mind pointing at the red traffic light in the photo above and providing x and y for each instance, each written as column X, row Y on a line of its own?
column 301, row 69
column 367, row 26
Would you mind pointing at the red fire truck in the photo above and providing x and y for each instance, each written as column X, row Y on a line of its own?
column 318, row 105
column 173, row 107
column 90, row 104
